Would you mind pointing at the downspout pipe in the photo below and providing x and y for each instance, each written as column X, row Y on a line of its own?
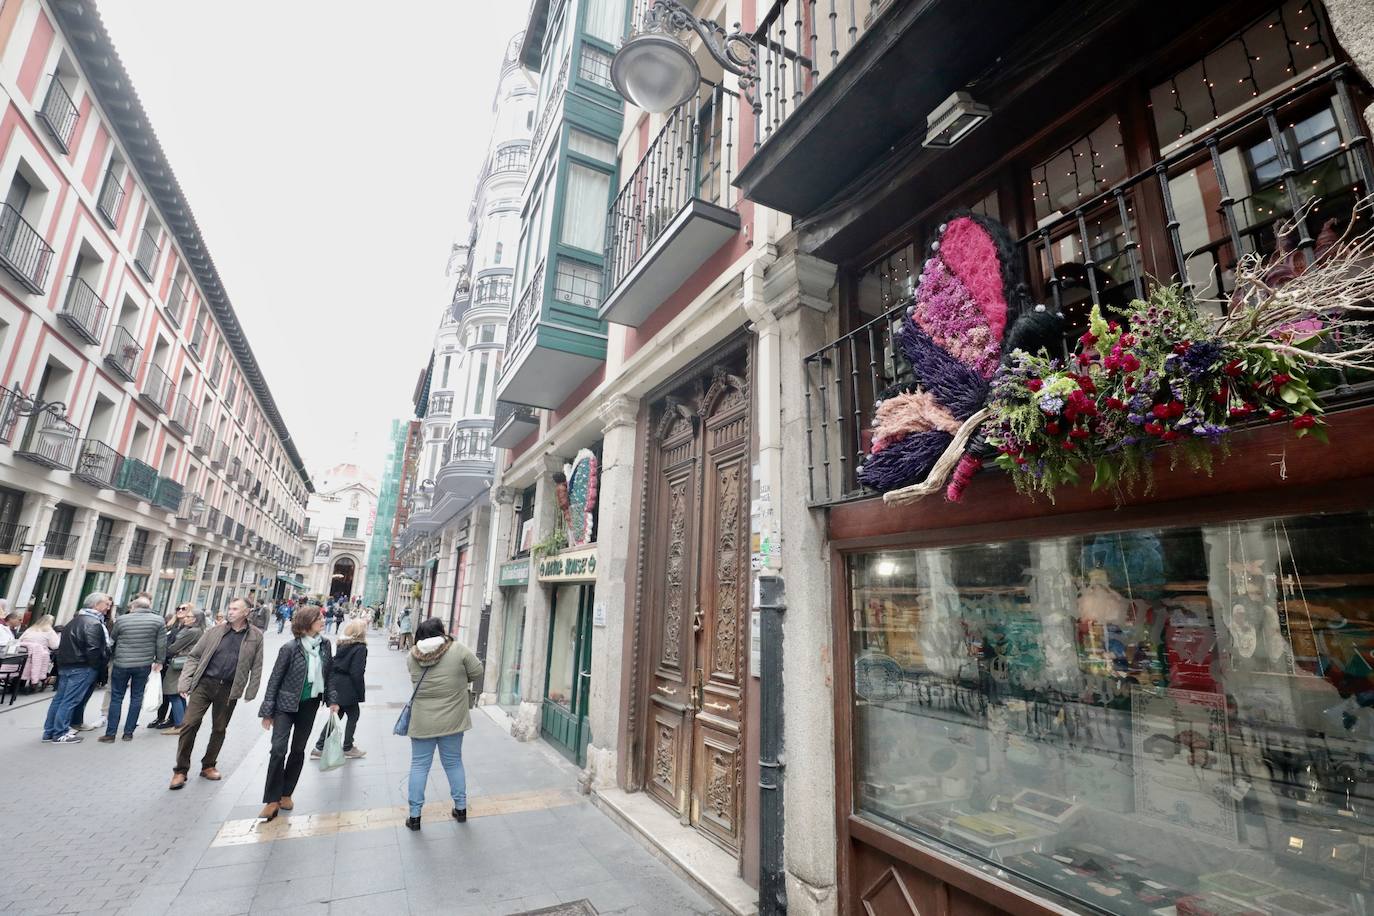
column 772, row 874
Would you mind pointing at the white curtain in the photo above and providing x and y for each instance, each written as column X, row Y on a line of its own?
column 584, row 208
column 606, row 20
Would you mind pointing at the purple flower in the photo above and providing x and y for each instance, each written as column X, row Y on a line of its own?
column 1051, row 404
column 1136, row 419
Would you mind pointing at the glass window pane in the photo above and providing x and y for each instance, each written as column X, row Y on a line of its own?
column 1137, row 720
column 579, row 141
column 563, row 645
column 606, row 20
column 585, row 203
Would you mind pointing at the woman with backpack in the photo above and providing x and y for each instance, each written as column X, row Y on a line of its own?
column 350, row 665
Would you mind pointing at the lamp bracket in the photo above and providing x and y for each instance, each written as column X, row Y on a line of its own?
column 27, row 405
column 733, row 50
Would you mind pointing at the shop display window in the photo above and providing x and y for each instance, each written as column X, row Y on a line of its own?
column 1155, row 721
column 563, row 646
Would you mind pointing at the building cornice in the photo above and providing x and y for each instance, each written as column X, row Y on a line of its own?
column 80, row 22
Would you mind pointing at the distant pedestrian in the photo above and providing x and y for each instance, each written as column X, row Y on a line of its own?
column 224, row 665
column 406, row 628
column 301, row 679
column 182, row 637
column 40, row 641
column 82, row 655
column 443, row 672
column 350, row 666
column 140, row 645
column 9, row 625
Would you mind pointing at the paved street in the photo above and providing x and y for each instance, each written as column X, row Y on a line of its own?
column 99, row 832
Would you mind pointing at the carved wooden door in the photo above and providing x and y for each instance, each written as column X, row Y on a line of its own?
column 697, row 576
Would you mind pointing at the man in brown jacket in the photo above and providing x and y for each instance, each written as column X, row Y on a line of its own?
column 225, row 665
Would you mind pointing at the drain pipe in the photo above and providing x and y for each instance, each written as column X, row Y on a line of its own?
column 770, row 603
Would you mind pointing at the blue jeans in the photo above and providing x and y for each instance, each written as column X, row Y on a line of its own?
column 72, row 683
column 134, row 680
column 177, row 710
column 450, row 757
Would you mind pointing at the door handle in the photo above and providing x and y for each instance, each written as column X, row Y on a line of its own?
column 696, row 620
column 698, row 689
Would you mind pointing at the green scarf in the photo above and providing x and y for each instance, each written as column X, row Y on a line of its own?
column 314, row 673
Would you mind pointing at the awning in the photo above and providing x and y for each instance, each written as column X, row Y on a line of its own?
column 294, row 583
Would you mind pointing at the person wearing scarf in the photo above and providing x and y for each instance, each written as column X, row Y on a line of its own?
column 301, row 679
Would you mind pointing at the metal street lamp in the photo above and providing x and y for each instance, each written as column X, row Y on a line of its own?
column 654, row 69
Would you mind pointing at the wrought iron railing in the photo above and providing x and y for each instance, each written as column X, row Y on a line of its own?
column 221, row 455
column 184, row 414
column 49, row 440
column 1074, row 269
column 124, row 353
column 105, row 549
column 136, row 478
column 12, row 537
column 138, row 551
column 9, row 414
column 58, row 113
column 197, row 338
column 157, row 388
column 226, row 527
column 514, row 158
column 470, row 444
column 146, row 258
column 205, row 439
column 167, row 495
column 493, row 289
column 97, row 464
column 216, row 371
column 60, row 545
column 551, row 104
column 212, row 520
column 526, row 313
column 440, row 405
column 692, row 158
column 84, row 311
column 23, row 252
column 111, row 197
column 176, row 303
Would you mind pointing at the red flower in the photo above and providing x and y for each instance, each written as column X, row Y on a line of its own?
column 1276, row 414
column 1084, row 359
column 1280, row 379
column 1052, row 428
column 1129, row 362
column 1087, row 384
column 1020, row 460
column 1088, row 339
column 1116, row 403
column 1306, row 421
column 1242, row 410
column 1172, row 435
column 1154, row 429
column 1114, row 325
column 1128, row 340
column 1176, row 409
column 1233, row 368
column 1079, row 433
column 1181, row 348
column 1068, row 445
column 1220, row 397
column 1034, row 384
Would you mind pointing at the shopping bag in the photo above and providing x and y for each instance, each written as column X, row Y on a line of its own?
column 152, row 694
column 332, row 757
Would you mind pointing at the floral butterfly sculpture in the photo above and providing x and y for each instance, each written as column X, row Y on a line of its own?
column 580, row 501
column 953, row 336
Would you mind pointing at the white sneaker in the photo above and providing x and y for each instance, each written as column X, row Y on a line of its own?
column 68, row 739
column 83, row 727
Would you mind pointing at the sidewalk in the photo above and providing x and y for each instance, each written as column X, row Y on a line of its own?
column 98, row 830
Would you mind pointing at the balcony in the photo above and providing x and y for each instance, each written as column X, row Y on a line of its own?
column 111, row 198
column 50, row 441
column 59, row 114
column 97, row 464
column 226, row 527
column 184, row 415
column 235, row 466
column 554, row 337
column 138, row 552
column 176, row 304
column 238, row 534
column 552, row 103
column 167, row 494
column 216, row 371
column 157, row 389
column 492, row 290
column 12, row 537
column 212, row 520
column 204, row 440
column 192, row 509
column 23, row 252
column 9, row 415
column 83, row 311
column 676, row 209
column 60, row 545
column 468, row 466
column 440, row 405
column 197, row 338
column 221, row 456
column 514, row 422
column 105, row 549
column 136, row 479
column 124, row 353
column 146, row 258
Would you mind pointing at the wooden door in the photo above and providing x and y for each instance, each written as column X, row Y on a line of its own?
column 697, row 573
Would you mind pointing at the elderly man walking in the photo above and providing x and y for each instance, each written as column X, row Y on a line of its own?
column 81, row 656
column 224, row 666
column 140, row 645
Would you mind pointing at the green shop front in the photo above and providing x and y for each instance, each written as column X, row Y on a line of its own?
column 570, row 577
column 513, row 579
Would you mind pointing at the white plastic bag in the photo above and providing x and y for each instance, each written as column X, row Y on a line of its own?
column 152, row 693
column 332, row 756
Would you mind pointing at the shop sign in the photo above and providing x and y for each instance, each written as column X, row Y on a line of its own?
column 516, row 572
column 576, row 565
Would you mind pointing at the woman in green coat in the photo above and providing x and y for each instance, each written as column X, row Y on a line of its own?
column 443, row 672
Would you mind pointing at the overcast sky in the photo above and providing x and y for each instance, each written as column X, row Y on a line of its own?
column 328, row 151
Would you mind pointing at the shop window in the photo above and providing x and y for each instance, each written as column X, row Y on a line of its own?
column 1135, row 720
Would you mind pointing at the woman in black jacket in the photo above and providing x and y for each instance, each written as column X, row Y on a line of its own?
column 350, row 664
column 301, row 678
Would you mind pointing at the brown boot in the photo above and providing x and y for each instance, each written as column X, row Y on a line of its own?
column 268, row 811
column 178, row 781
column 286, row 804
column 212, row 774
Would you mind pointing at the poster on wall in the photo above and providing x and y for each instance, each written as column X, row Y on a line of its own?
column 1182, row 761
column 323, row 550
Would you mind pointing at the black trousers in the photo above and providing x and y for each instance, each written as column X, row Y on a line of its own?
column 349, row 712
column 290, row 732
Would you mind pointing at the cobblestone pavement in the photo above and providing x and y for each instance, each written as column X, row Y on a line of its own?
column 92, row 828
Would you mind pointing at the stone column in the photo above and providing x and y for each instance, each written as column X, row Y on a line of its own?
column 125, row 532
column 498, row 549
column 84, row 532
column 613, row 565
column 538, row 605
column 37, row 515
column 209, row 578
column 162, row 545
column 1353, row 22
column 792, row 323
column 474, row 577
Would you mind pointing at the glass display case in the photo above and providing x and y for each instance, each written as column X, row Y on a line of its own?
column 1151, row 721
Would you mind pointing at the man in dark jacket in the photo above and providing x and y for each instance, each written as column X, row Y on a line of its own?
column 81, row 656
column 140, row 644
column 225, row 665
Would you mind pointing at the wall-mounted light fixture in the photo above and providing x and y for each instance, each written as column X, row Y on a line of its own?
column 953, row 120
column 654, row 69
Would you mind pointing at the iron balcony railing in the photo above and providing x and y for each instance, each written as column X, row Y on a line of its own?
column 50, row 441
column 124, row 353
column 526, row 313
column 192, row 509
column 157, row 388
column 23, row 252
column 136, row 478
column 105, row 549
column 176, row 303
column 60, row 545
column 692, row 158
column 799, row 44
column 97, row 464
column 184, row 414
column 59, row 113
column 212, row 519
column 221, row 456
column 551, row 104
column 216, row 370
column 205, row 439
column 146, row 258
column 227, row 527
column 440, row 405
column 12, row 537
column 515, row 158
column 9, row 414
column 138, row 551
column 84, row 311
column 1075, row 269
column 239, row 533
column 111, row 198
column 469, row 444
column 167, row 494
column 197, row 338
column 235, row 465
column 495, row 289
